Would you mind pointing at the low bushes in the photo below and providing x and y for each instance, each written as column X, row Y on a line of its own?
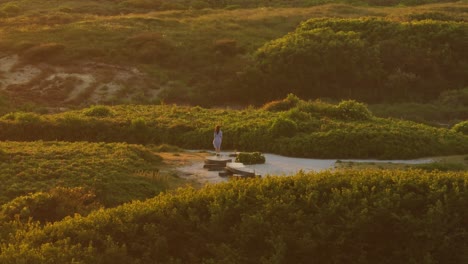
column 461, row 127
column 109, row 174
column 368, row 59
column 98, row 111
column 369, row 216
column 352, row 110
column 50, row 206
column 308, row 129
column 250, row 158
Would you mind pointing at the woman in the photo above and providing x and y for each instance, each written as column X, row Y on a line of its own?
column 218, row 138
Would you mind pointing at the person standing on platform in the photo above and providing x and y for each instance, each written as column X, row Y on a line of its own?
column 218, row 138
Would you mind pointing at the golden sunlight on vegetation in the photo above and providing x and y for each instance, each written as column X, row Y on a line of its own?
column 107, row 110
column 180, row 60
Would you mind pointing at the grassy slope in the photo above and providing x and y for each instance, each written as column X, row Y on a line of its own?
column 115, row 172
column 182, row 55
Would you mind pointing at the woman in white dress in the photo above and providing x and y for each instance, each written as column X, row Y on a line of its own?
column 218, row 138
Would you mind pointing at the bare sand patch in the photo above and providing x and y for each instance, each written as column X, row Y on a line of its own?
column 95, row 82
column 12, row 75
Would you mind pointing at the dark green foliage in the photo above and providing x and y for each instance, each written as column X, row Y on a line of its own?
column 250, row 158
column 283, row 127
column 341, row 217
column 461, row 127
column 454, row 98
column 450, row 108
column 367, row 59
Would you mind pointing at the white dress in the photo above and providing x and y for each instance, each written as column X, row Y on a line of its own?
column 218, row 138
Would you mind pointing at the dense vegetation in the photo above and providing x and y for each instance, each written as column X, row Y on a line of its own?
column 291, row 126
column 339, row 217
column 62, row 196
column 40, row 177
column 367, row 59
column 204, row 56
column 450, row 108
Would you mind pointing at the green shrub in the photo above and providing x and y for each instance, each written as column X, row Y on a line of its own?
column 98, row 111
column 454, row 98
column 250, row 158
column 310, row 129
column 50, row 206
column 114, row 172
column 367, row 59
column 461, row 127
column 283, row 127
column 22, row 117
column 365, row 216
column 139, row 124
column 352, row 110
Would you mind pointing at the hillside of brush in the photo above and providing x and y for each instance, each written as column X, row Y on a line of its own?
column 291, row 127
column 46, row 181
column 78, row 53
column 367, row 216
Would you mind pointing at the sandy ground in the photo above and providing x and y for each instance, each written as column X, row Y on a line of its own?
column 191, row 165
column 94, row 82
